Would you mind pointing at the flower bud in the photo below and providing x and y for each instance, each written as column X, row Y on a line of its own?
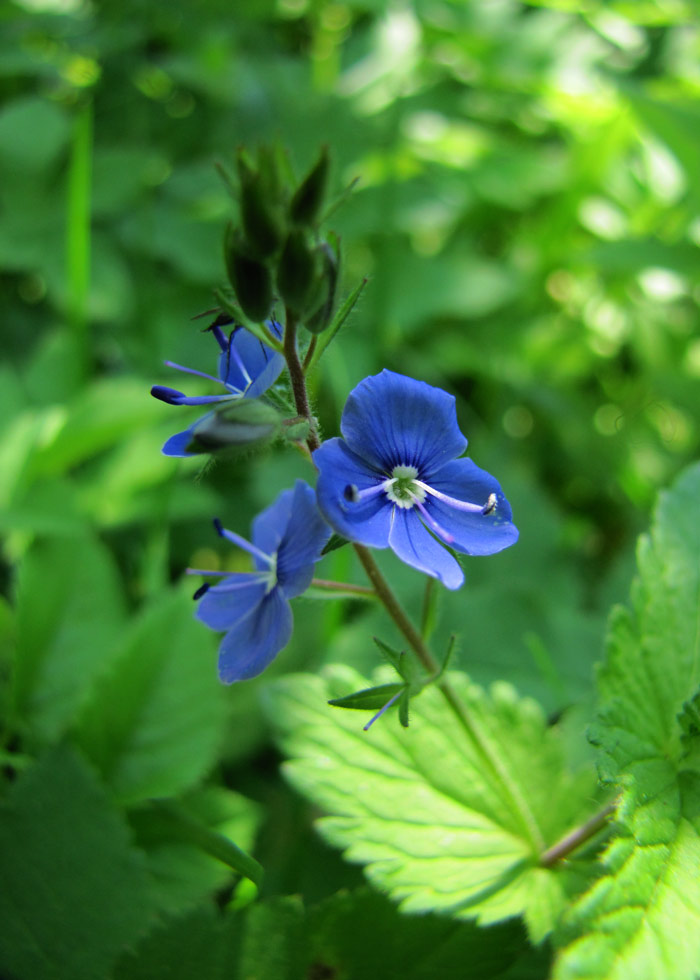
column 261, row 218
column 317, row 321
column 241, row 425
column 250, row 278
column 297, row 272
column 308, row 199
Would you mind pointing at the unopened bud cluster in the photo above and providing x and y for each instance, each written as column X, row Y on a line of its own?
column 276, row 250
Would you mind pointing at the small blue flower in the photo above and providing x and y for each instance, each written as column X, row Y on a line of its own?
column 253, row 607
column 394, row 480
column 247, row 368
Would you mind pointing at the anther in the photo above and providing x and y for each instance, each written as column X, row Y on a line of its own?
column 351, row 493
column 490, row 505
column 201, row 590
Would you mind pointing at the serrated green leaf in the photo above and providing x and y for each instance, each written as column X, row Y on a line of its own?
column 70, row 612
column 431, row 821
column 642, row 919
column 74, row 890
column 154, row 724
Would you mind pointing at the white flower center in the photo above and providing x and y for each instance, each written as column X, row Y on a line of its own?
column 403, row 490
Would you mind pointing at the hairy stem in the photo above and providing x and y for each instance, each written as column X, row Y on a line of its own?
column 296, row 375
column 310, row 353
column 509, row 789
column 576, row 837
column 359, row 590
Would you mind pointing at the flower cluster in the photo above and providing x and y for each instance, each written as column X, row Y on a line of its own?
column 396, row 479
column 247, row 368
column 287, row 539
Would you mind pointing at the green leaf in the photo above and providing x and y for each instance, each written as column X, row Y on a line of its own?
column 69, row 614
column 642, row 919
column 183, row 874
column 74, row 891
column 422, row 809
column 155, row 723
column 180, row 949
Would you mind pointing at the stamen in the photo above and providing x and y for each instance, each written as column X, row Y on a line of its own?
column 490, row 505
column 201, row 591
column 221, row 337
column 233, row 353
column 382, row 710
column 454, row 502
column 232, row 586
column 355, row 496
column 432, row 523
column 242, row 543
column 201, row 374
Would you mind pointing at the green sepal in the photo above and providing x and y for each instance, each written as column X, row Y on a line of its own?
column 250, row 278
column 262, row 219
column 247, row 423
column 297, row 272
column 338, row 320
column 446, row 659
column 309, row 196
column 320, row 319
column 404, row 702
column 296, row 430
column 257, row 328
column 393, row 656
column 335, row 541
column 370, row 698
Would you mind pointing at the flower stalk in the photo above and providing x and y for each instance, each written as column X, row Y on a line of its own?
column 296, row 376
column 475, row 735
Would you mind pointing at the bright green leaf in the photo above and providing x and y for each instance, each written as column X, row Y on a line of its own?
column 642, row 919
column 433, row 822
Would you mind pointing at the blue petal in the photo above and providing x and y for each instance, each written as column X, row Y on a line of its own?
column 391, row 420
column 367, row 522
column 410, row 540
column 302, row 543
column 474, row 534
column 270, row 525
column 255, row 640
column 232, row 599
column 262, row 365
column 177, row 444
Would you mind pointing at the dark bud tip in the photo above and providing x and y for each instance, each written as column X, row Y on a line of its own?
column 169, row 395
column 308, row 199
column 218, row 527
column 201, row 591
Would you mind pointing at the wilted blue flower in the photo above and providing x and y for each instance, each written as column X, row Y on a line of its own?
column 247, row 368
column 253, row 607
column 394, row 479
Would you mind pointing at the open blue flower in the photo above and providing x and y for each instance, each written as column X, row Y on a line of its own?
column 394, row 480
column 247, row 368
column 253, row 607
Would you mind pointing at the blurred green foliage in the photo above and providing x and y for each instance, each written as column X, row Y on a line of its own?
column 527, row 210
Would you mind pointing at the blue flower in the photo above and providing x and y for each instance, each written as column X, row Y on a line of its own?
column 247, row 368
column 394, row 480
column 253, row 607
